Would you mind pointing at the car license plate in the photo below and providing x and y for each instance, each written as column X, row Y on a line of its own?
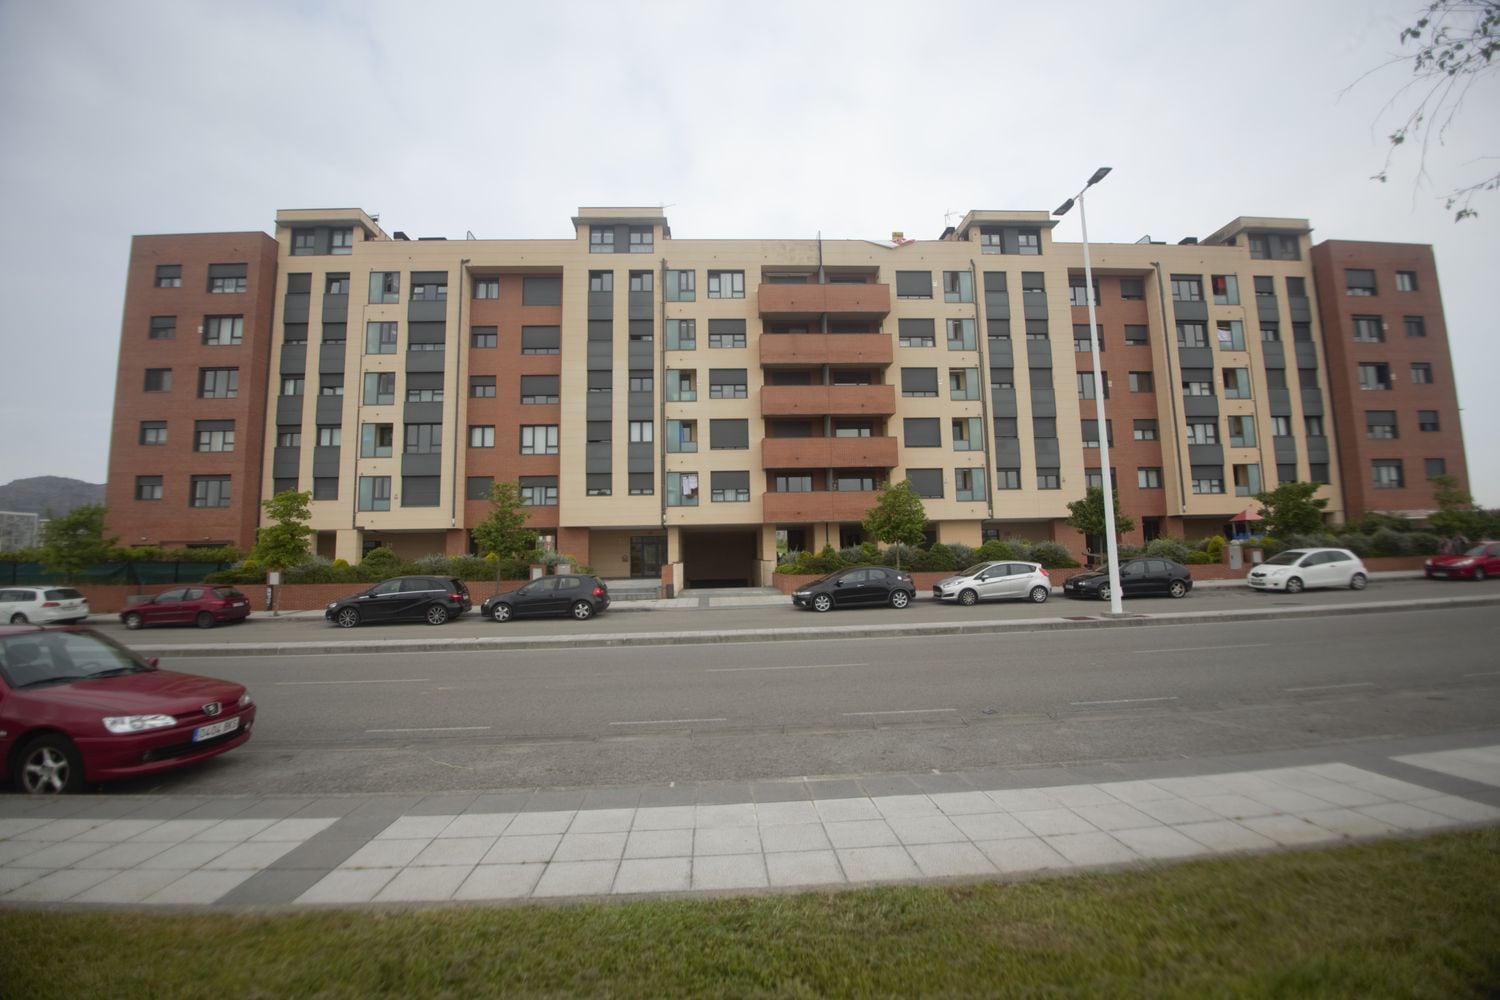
column 213, row 729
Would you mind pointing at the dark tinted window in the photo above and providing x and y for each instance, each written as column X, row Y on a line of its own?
column 63, row 594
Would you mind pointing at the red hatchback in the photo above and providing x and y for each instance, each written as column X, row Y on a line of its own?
column 77, row 707
column 202, row 606
column 1481, row 560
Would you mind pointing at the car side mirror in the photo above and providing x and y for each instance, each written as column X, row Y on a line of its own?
column 154, row 663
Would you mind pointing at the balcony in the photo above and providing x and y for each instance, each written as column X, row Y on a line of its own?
column 830, row 400
column 813, row 300
column 829, row 453
column 816, row 507
column 825, row 348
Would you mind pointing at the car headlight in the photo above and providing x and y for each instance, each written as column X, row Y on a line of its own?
column 801, row 593
column 332, row 605
column 137, row 723
column 245, row 700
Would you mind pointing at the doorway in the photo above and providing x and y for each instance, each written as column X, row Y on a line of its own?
column 647, row 554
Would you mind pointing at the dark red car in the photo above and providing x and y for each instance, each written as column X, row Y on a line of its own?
column 76, row 707
column 200, row 605
column 1480, row 561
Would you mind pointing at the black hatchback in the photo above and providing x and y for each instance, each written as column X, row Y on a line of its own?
column 565, row 594
column 860, row 587
column 430, row 599
column 1144, row 577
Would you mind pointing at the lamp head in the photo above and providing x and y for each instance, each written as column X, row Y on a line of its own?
column 1099, row 175
column 1062, row 209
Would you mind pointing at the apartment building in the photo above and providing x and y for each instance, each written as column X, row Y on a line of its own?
column 687, row 409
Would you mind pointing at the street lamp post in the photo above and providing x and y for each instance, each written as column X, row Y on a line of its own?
column 1109, row 486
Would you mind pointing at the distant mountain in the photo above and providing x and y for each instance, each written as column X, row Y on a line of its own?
column 41, row 494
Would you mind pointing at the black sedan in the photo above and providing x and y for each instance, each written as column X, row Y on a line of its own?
column 1142, row 577
column 580, row 596
column 861, row 587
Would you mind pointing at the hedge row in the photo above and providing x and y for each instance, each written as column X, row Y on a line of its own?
column 382, row 564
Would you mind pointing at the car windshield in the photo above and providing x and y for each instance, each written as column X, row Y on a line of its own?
column 63, row 594
column 34, row 659
column 1477, row 550
column 1287, row 558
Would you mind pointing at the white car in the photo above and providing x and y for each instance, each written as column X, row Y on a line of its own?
column 995, row 581
column 1296, row 569
column 42, row 605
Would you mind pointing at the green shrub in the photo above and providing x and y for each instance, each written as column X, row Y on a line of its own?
column 1168, row 548
column 1424, row 543
column 1387, row 542
column 1356, row 543
column 826, row 561
column 996, row 549
column 1214, row 546
column 381, row 560
column 1052, row 556
column 938, row 559
column 1197, row 557
column 1129, row 551
column 963, row 555
column 906, row 553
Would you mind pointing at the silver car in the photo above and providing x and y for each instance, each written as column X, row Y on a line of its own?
column 1001, row 580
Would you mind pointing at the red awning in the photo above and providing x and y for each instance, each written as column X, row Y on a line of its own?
column 1243, row 516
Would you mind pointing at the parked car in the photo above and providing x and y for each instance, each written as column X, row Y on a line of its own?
column 430, row 599
column 204, row 607
column 1144, row 577
column 991, row 581
column 1296, row 569
column 76, row 707
column 566, row 594
column 862, row 586
column 42, row 605
column 1482, row 560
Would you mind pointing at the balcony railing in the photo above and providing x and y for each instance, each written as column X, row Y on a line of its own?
column 813, row 300
column 820, row 400
column 829, row 453
column 817, row 507
column 826, row 348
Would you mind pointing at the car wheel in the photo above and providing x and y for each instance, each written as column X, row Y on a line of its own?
column 346, row 618
column 822, row 603
column 968, row 598
column 204, row 620
column 583, row 610
column 437, row 614
column 1039, row 594
column 49, row 765
column 900, row 598
column 501, row 612
column 18, row 619
column 1479, row 574
column 1357, row 581
column 1177, row 589
column 1104, row 592
column 133, row 621
column 1294, row 585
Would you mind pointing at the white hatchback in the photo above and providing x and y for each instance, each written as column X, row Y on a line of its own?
column 995, row 581
column 42, row 605
column 1297, row 569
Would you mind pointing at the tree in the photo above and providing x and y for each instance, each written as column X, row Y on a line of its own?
column 504, row 531
column 1087, row 515
column 1456, row 44
column 73, row 541
column 1455, row 515
column 1290, row 509
column 897, row 517
column 283, row 543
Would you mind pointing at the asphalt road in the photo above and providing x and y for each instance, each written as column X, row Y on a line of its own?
column 641, row 714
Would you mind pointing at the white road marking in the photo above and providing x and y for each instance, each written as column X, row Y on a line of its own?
column 813, row 666
column 399, row 680
column 1492, row 673
column 438, row 729
column 905, row 711
column 1200, row 649
column 1122, row 701
column 664, row 722
column 1333, row 687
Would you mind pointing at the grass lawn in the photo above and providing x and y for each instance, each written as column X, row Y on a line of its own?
column 1397, row 918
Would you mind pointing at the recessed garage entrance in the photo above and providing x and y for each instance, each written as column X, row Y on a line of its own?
column 719, row 558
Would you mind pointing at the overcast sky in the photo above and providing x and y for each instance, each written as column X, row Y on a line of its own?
column 761, row 119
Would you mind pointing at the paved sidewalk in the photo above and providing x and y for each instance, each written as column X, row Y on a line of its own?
column 805, row 833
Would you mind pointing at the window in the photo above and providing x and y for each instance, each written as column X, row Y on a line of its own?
column 1406, row 281
column 213, row 435
column 1226, row 289
column 1135, row 334
column 1044, row 427
column 1274, row 246
column 926, row 483
column 1203, row 432
column 541, row 340
column 966, row 434
column 963, row 383
column 1302, row 333
column 1358, row 281
column 1132, row 289
column 682, row 334
column 225, row 286
column 1415, row 326
column 1142, row 382
column 1078, row 293
column 163, row 327
column 961, row 335
column 482, row 386
column 335, row 333
column 330, row 436
column 423, row 439
column 1192, row 335
column 601, row 240
column 1048, row 479
column 291, row 385
column 1313, row 426
column 913, row 284
column 484, row 336
column 385, row 287
column 968, row 484
column 1006, row 428
column 922, row 432
column 536, row 439
column 1231, row 335
column 153, row 432
column 1028, row 242
column 641, row 281
column 916, row 333
column 374, row 492
column 726, row 383
column 1148, row 478
column 601, row 281
column 338, row 284
column 725, row 285
column 1281, row 427
column 1270, row 333
column 1002, row 378
column 331, row 385
column 380, row 388
column 1197, row 387
column 486, row 288
column 325, row 488
column 1369, row 329
column 1246, row 480
column 288, row 436
column 1317, row 472
column 1236, row 383
column 148, row 487
column 682, row 489
column 1086, row 384
column 376, row 440
column 1082, row 344
column 426, row 290
column 218, row 383
column 1375, row 376
column 380, row 338
column 682, row 286
column 1307, row 378
column 1145, row 430
column 304, row 242
column 726, row 333
column 158, row 380
column 919, row 382
column 1207, row 483
column 169, row 276
column 341, row 241
column 1421, row 373
column 1090, row 433
column 1387, row 473
column 1427, row 420
column 1241, row 432
column 1007, row 479
column 682, row 435
column 641, row 239
column 1187, row 288
column 481, row 435
column 682, row 385
column 1380, row 425
column 209, row 491
column 538, row 390
column 958, row 286
column 538, row 491
column 1433, row 467
column 294, row 333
